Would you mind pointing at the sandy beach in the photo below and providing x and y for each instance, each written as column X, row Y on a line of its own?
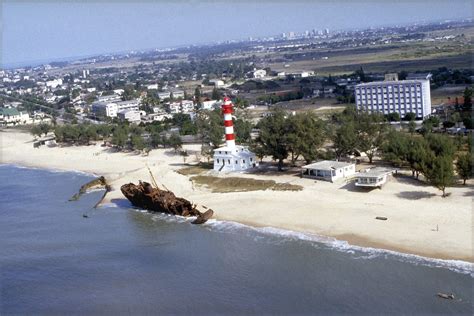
column 419, row 221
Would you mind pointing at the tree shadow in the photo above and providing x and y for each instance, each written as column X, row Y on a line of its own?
column 469, row 193
column 415, row 195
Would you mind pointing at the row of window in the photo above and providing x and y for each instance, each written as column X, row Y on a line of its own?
column 228, row 161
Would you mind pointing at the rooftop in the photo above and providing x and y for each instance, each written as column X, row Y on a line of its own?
column 327, row 165
column 378, row 83
column 374, row 172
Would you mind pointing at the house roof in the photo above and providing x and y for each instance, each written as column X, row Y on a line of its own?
column 374, row 172
column 9, row 112
column 327, row 165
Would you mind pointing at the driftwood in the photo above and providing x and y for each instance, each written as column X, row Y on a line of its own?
column 446, row 296
column 145, row 196
column 382, row 218
column 96, row 183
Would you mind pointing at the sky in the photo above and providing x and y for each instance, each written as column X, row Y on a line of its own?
column 49, row 30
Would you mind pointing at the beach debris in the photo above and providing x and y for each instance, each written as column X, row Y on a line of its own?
column 85, row 215
column 154, row 199
column 99, row 182
column 446, row 296
column 382, row 218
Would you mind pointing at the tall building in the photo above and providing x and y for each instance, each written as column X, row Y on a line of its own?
column 232, row 157
column 391, row 96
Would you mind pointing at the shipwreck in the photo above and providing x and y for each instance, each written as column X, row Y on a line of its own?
column 154, row 199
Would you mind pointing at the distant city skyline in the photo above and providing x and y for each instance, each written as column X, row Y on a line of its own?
column 48, row 31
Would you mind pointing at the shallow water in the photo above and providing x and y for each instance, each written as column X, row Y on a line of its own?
column 122, row 260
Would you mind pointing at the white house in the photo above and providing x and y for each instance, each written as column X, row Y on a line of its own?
column 217, row 83
column 328, row 170
column 108, row 109
column 54, row 83
column 131, row 116
column 109, row 98
column 373, row 177
column 13, row 116
column 163, row 95
column 173, row 107
column 260, row 73
column 177, row 94
column 237, row 158
column 152, row 86
column 210, row 104
column 187, row 106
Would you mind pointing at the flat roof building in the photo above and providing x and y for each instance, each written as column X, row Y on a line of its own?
column 328, row 170
column 373, row 177
column 402, row 97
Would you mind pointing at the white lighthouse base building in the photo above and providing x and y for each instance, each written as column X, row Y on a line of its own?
column 235, row 158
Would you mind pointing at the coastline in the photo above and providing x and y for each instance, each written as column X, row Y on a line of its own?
column 321, row 209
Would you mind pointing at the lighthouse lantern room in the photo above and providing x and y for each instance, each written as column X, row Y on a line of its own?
column 232, row 157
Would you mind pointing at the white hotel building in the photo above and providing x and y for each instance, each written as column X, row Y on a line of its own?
column 402, row 97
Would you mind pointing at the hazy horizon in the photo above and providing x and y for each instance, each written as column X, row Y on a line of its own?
column 49, row 31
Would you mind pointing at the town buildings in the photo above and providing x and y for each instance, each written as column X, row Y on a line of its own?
column 111, row 109
column 394, row 96
column 11, row 116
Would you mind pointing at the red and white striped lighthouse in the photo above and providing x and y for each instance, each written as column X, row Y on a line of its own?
column 229, row 126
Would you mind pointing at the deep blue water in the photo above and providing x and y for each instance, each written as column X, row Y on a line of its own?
column 121, row 260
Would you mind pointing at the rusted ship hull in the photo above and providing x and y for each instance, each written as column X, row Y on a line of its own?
column 153, row 199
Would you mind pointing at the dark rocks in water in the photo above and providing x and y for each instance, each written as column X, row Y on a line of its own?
column 145, row 196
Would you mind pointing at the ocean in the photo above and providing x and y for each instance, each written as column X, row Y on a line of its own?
column 121, row 260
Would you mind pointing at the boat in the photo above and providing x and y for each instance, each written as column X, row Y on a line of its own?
column 154, row 199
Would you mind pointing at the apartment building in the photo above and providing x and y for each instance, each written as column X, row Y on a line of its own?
column 391, row 95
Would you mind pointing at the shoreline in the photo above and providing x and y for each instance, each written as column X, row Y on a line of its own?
column 335, row 216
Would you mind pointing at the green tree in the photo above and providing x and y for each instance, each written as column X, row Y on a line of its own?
column 120, row 136
column 216, row 95
column 439, row 172
column 210, row 127
column 371, row 133
column 273, row 136
column 410, row 116
column 36, row 131
column 464, row 166
column 467, row 104
column 137, row 142
column 175, row 142
column 393, row 117
column 411, row 127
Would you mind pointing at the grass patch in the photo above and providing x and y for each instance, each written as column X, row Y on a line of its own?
column 235, row 184
column 193, row 170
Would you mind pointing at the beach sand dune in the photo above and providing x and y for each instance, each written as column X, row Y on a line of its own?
column 419, row 221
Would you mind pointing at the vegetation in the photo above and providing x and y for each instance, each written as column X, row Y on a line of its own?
column 431, row 156
column 464, row 166
column 236, row 184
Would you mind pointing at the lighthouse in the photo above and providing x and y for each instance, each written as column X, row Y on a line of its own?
column 232, row 157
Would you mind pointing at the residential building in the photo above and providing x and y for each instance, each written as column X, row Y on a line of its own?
column 187, row 106
column 260, row 73
column 163, row 95
column 109, row 98
column 108, row 109
column 217, row 83
column 328, row 170
column 210, row 104
column 13, row 116
column 54, row 83
column 173, row 107
column 401, row 97
column 176, row 94
column 128, row 105
column 131, row 116
column 373, row 177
